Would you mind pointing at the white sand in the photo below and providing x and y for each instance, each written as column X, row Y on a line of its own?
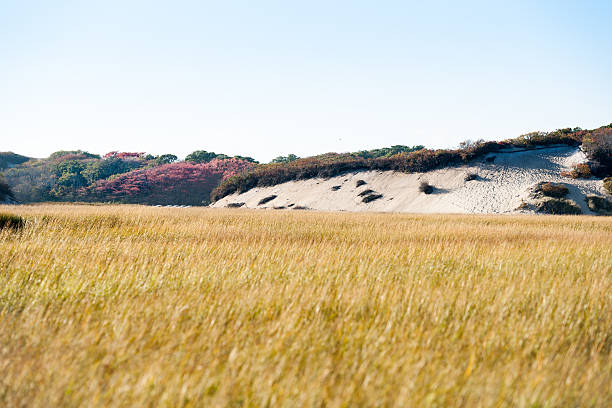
column 500, row 187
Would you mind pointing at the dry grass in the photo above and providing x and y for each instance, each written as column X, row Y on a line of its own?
column 136, row 306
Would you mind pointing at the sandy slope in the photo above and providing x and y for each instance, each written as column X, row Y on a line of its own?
column 500, row 188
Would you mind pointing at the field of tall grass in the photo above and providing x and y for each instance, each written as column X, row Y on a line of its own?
column 139, row 306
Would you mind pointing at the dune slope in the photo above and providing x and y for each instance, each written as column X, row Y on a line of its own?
column 503, row 182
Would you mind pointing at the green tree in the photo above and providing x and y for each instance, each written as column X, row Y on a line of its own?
column 285, row 159
column 165, row 159
column 201, row 156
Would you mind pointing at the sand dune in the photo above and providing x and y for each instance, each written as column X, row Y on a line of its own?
column 504, row 181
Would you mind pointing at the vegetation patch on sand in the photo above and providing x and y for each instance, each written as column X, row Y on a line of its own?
column 599, row 205
column 558, row 206
column 139, row 306
column 548, row 189
column 607, row 183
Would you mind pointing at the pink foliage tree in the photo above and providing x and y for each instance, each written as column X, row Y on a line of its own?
column 176, row 183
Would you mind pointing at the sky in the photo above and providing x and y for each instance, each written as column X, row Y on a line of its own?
column 267, row 78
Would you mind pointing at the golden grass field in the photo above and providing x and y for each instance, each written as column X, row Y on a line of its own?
column 139, row 306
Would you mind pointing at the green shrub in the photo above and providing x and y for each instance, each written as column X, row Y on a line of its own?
column 11, row 221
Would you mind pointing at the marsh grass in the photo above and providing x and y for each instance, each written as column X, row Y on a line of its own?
column 138, row 306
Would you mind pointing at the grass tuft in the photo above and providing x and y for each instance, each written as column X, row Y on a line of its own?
column 10, row 221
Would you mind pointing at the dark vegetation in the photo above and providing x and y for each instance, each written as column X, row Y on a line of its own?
column 558, row 206
column 387, row 151
column 371, row 197
column 5, row 192
column 596, row 144
column 10, row 221
column 10, row 159
column 335, row 188
column 365, row 192
column 266, row 199
column 607, row 183
column 285, row 159
column 554, row 190
column 599, row 205
column 360, row 183
column 202, row 156
column 471, row 176
column 234, row 205
column 425, row 187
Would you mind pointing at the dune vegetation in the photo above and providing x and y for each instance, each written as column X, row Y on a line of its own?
column 140, row 306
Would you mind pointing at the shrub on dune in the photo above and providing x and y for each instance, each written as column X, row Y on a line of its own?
column 426, row 188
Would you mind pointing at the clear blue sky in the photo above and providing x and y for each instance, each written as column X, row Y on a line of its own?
column 264, row 78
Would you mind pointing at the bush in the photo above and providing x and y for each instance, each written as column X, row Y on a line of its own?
column 365, row 192
column 607, row 183
column 597, row 145
column 11, row 221
column 426, row 188
column 558, row 206
column 360, row 183
column 599, row 205
column 551, row 190
column 266, row 199
column 471, row 176
column 581, row 170
column 234, row 205
column 371, row 197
